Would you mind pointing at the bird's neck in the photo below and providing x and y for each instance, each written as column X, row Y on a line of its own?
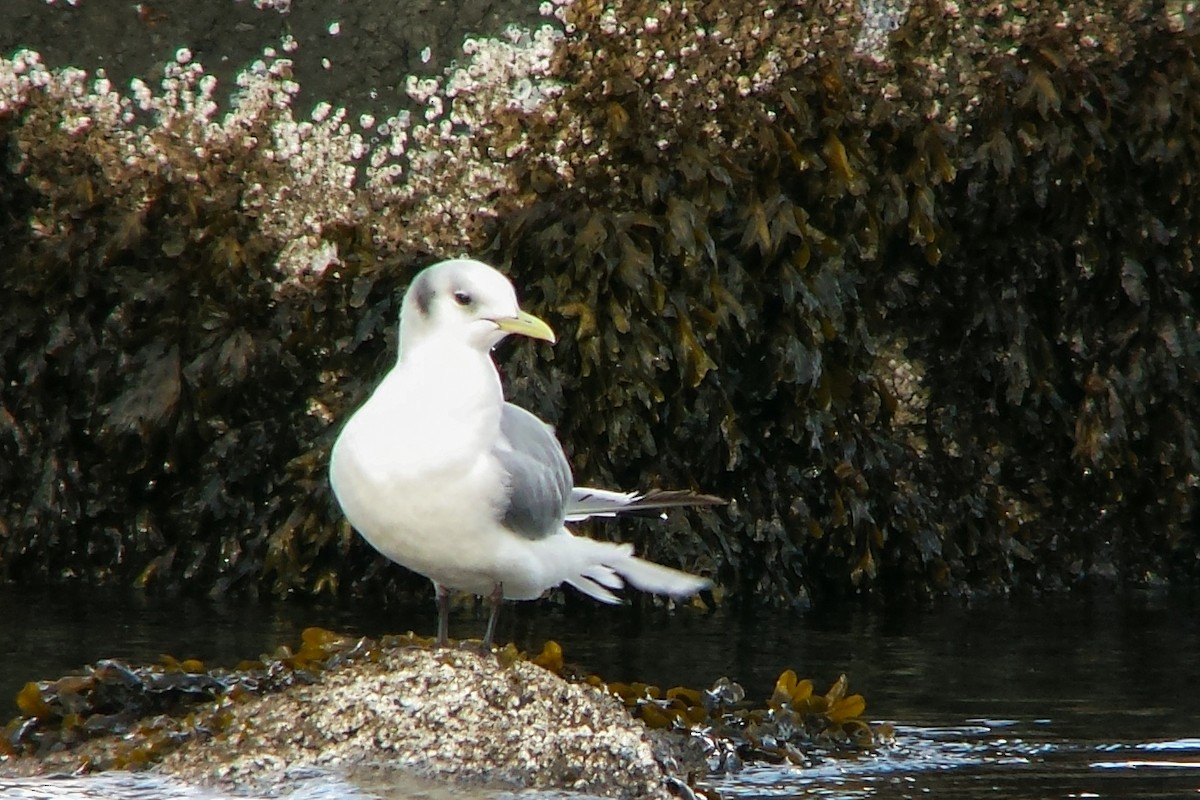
column 437, row 408
column 450, row 378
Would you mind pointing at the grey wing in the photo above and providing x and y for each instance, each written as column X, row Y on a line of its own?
column 536, row 472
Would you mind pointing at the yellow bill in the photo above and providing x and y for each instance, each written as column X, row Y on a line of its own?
column 526, row 324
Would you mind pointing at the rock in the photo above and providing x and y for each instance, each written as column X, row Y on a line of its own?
column 436, row 714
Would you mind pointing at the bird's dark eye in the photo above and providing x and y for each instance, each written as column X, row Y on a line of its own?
column 462, row 298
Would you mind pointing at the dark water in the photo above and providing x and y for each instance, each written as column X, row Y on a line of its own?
column 1072, row 696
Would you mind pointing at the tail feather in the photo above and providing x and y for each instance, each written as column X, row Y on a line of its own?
column 655, row 578
column 593, row 589
column 598, row 569
column 586, row 502
column 603, row 575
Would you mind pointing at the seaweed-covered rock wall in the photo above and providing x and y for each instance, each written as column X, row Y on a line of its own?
column 931, row 320
column 1063, row 364
column 918, row 300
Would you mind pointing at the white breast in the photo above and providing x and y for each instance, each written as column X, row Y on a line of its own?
column 411, row 467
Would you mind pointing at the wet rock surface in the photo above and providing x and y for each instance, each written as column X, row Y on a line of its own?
column 450, row 714
column 400, row 714
column 341, row 708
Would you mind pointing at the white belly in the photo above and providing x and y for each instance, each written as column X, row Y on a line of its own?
column 415, row 476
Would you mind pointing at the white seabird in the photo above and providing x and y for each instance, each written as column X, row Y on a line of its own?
column 443, row 476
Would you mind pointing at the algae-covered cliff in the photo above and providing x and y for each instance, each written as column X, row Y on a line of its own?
column 912, row 284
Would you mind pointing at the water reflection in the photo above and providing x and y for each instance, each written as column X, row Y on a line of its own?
column 1084, row 661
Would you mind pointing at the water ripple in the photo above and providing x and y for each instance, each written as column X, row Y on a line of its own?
column 977, row 761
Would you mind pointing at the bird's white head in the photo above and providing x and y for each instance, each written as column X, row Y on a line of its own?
column 464, row 300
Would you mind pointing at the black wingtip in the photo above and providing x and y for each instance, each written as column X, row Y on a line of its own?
column 678, row 498
column 656, row 501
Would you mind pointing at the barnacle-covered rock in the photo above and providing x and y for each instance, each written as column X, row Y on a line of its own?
column 452, row 715
column 347, row 703
column 887, row 295
column 912, row 283
column 157, row 707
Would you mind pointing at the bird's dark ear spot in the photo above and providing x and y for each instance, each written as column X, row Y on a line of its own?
column 422, row 292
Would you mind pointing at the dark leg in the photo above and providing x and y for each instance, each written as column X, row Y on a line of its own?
column 495, row 599
column 442, row 595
